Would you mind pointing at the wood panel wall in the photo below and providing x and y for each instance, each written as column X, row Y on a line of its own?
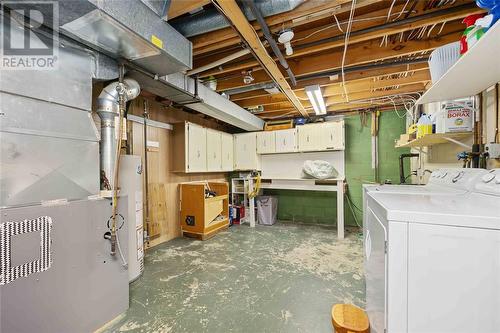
column 161, row 177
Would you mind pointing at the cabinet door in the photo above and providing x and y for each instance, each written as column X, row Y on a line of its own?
column 214, row 150
column 310, row 137
column 286, row 141
column 227, row 152
column 245, row 151
column 197, row 148
column 266, row 142
column 333, row 135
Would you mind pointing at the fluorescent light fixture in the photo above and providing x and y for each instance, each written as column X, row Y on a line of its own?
column 316, row 98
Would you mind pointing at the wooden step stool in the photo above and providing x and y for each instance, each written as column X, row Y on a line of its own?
column 347, row 318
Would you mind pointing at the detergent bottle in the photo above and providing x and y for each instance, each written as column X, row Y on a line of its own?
column 471, row 32
column 493, row 7
column 424, row 126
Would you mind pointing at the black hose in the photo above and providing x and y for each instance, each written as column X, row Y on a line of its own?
column 402, row 178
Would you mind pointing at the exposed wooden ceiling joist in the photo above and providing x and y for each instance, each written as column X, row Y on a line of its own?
column 368, row 84
column 361, row 53
column 303, row 14
column 234, row 14
column 361, row 36
column 177, row 8
column 353, row 76
column 351, row 97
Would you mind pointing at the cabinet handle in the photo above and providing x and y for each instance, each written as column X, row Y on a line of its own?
column 198, row 153
column 215, row 156
column 308, row 138
column 284, row 142
column 331, row 137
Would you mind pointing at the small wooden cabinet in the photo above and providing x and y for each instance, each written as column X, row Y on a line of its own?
column 309, row 137
column 245, row 152
column 202, row 217
column 286, row 141
column 199, row 149
column 266, row 142
column 333, row 135
column 190, row 145
column 321, row 136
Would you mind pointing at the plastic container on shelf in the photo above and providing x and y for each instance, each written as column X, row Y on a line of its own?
column 424, row 126
column 442, row 59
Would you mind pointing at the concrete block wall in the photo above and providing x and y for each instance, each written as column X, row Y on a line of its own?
column 320, row 207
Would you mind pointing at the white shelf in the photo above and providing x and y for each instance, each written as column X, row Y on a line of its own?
column 475, row 71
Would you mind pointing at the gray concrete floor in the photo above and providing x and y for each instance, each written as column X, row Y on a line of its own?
column 281, row 278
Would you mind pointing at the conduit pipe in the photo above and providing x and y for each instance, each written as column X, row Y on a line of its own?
column 108, row 109
column 267, row 34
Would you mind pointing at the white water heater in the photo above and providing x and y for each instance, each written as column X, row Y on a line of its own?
column 130, row 179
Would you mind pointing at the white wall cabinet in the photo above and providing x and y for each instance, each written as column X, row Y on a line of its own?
column 309, row 137
column 214, row 150
column 227, row 151
column 286, row 140
column 198, row 149
column 245, row 152
column 266, row 142
column 321, row 136
column 333, row 135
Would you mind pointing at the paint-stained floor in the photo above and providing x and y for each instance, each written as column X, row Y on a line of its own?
column 281, row 278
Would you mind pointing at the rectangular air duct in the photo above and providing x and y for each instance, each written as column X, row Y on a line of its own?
column 126, row 29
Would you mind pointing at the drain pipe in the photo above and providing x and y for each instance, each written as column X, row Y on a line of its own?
column 265, row 30
column 108, row 109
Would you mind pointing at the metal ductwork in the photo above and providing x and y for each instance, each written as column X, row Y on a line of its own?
column 211, row 20
column 124, row 29
column 108, row 109
column 183, row 90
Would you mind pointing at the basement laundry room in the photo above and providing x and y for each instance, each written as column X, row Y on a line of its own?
column 249, row 166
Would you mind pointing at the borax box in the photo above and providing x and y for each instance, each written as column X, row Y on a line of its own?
column 455, row 117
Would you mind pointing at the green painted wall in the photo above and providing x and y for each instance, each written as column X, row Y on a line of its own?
column 320, row 207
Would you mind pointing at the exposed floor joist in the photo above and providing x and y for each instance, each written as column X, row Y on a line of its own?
column 366, row 34
column 234, row 14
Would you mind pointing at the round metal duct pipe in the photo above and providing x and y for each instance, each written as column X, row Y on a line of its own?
column 108, row 109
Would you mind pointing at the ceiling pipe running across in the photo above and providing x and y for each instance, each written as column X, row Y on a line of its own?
column 267, row 34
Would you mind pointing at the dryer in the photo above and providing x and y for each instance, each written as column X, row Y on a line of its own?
column 432, row 261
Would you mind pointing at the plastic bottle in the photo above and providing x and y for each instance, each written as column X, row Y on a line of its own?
column 471, row 32
column 424, row 126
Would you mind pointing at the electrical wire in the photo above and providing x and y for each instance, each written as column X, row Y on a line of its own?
column 124, row 262
column 346, row 43
column 350, row 204
column 338, row 25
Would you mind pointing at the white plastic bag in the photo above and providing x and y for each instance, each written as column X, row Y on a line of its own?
column 319, row 169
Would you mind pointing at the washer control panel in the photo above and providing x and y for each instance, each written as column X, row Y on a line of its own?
column 460, row 178
column 489, row 183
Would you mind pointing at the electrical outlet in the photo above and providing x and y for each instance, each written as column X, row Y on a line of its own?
column 493, row 150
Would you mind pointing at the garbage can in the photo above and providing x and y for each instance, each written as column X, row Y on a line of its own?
column 267, row 209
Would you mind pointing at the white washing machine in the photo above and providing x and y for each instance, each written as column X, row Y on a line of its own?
column 441, row 181
column 432, row 261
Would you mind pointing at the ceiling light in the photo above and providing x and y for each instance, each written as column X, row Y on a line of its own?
column 285, row 37
column 316, row 99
